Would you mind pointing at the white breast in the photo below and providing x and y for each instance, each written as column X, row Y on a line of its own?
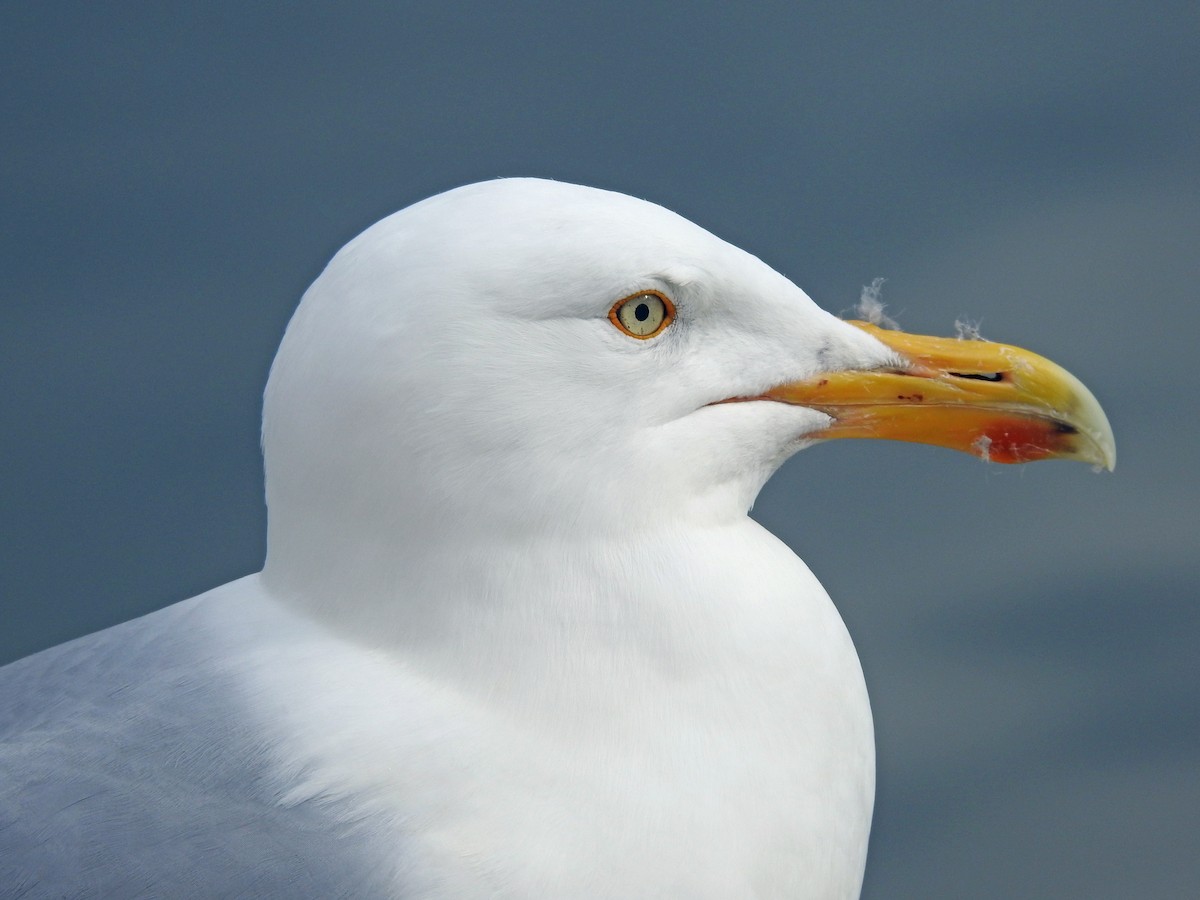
column 684, row 726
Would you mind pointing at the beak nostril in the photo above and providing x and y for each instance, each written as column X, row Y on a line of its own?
column 979, row 376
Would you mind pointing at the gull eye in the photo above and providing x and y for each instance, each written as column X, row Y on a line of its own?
column 642, row 315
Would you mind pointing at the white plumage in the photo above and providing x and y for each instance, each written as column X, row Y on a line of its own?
column 602, row 678
column 515, row 635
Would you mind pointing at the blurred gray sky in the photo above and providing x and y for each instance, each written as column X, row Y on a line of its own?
column 173, row 177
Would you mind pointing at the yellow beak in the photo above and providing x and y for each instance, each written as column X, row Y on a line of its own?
column 994, row 401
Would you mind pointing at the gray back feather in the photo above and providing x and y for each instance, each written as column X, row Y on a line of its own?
column 127, row 771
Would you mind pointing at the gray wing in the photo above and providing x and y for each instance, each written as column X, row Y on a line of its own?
column 126, row 770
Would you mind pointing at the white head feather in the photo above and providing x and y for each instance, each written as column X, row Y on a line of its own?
column 453, row 370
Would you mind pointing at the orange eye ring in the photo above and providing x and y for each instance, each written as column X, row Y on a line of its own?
column 643, row 315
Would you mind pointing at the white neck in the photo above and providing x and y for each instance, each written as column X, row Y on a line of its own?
column 719, row 728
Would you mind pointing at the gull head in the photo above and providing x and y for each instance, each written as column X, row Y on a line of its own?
column 523, row 357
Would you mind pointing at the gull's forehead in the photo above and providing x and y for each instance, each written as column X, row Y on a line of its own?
column 498, row 223
column 519, row 244
column 555, row 209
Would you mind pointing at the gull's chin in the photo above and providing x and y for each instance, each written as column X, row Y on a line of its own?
column 763, row 426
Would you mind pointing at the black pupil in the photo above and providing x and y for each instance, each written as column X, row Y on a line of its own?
column 642, row 312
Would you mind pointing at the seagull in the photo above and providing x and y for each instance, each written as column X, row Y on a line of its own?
column 515, row 635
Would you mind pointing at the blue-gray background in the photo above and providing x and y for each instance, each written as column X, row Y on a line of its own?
column 174, row 176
